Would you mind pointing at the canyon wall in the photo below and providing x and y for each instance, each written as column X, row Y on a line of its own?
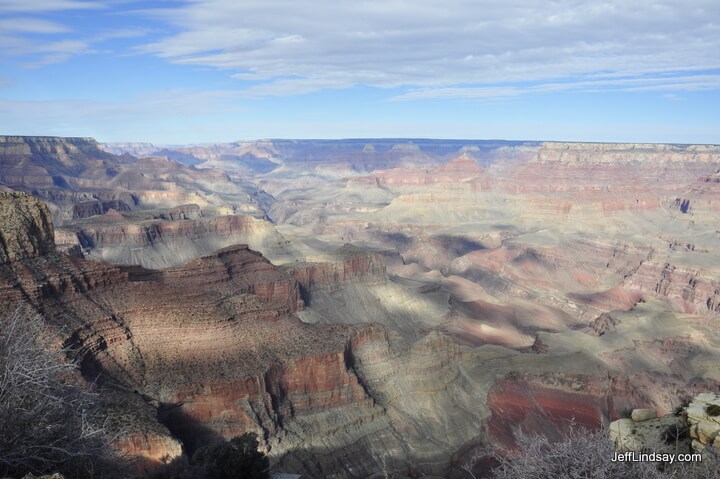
column 176, row 236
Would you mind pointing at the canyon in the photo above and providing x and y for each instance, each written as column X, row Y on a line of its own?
column 367, row 306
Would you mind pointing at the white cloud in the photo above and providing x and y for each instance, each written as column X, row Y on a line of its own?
column 37, row 6
column 180, row 111
column 682, row 83
column 38, row 42
column 36, row 53
column 30, row 25
column 301, row 45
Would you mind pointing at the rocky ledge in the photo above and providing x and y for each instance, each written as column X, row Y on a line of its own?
column 692, row 428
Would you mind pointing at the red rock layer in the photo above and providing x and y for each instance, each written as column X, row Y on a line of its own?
column 311, row 384
column 690, row 290
column 151, row 451
column 348, row 263
column 539, row 409
column 238, row 269
column 549, row 403
column 606, row 178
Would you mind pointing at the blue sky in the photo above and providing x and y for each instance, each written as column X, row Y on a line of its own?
column 177, row 72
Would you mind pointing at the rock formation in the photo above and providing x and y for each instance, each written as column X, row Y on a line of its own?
column 347, row 263
column 231, row 357
column 703, row 417
column 173, row 236
column 691, row 429
column 432, row 296
column 26, row 228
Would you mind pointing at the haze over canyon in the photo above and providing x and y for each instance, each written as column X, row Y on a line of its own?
column 367, row 305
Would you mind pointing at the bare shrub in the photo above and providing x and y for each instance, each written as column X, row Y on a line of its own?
column 583, row 453
column 47, row 415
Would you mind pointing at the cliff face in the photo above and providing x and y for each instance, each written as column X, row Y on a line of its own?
column 26, row 228
column 46, row 161
column 243, row 271
column 177, row 236
column 592, row 178
column 94, row 208
column 690, row 290
column 348, row 263
column 211, row 343
column 212, row 346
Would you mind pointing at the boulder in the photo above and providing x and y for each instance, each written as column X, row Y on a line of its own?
column 639, row 415
column 704, row 424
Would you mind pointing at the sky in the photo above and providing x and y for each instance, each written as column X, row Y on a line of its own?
column 204, row 71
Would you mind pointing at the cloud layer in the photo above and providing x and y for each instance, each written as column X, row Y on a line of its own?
column 471, row 47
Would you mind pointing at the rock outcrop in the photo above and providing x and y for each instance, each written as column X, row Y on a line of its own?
column 37, row 161
column 690, row 289
column 664, row 434
column 79, row 179
column 240, row 270
column 693, row 427
column 174, row 236
column 93, row 208
column 347, row 263
column 27, row 229
column 703, row 417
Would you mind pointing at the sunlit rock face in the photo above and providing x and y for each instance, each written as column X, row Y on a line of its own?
column 173, row 236
column 604, row 179
column 26, row 228
column 694, row 427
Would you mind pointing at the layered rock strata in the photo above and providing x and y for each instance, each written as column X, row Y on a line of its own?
column 176, row 236
column 347, row 263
